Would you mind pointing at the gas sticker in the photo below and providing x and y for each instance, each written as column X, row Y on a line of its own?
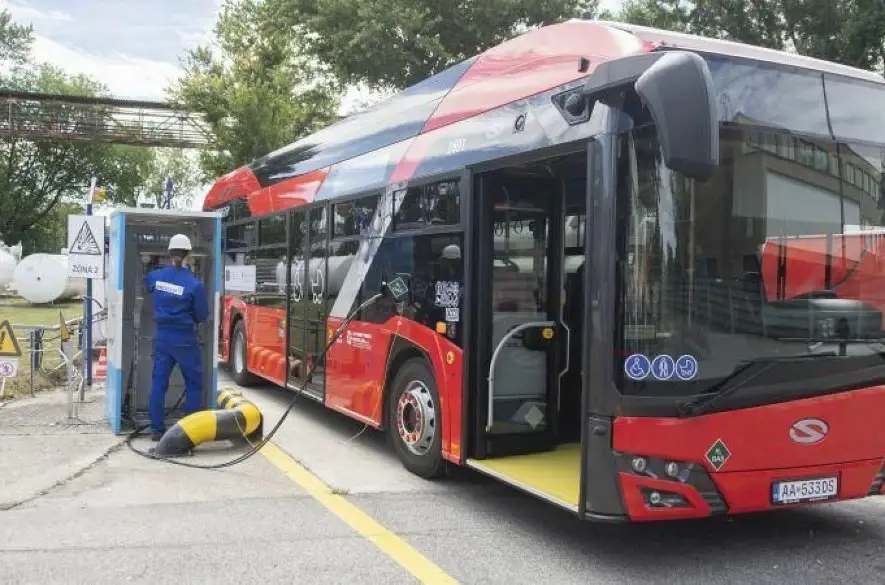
column 718, row 454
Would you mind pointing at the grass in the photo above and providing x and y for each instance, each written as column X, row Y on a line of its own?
column 20, row 312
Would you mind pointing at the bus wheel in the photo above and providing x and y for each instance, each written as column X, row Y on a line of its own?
column 414, row 424
column 238, row 356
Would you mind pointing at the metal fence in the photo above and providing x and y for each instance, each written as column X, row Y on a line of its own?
column 42, row 355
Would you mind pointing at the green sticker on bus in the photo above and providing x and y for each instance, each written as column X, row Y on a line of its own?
column 397, row 287
column 718, row 454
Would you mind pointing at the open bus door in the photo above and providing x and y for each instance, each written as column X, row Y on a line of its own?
column 525, row 390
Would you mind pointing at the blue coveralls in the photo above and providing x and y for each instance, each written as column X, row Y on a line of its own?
column 179, row 300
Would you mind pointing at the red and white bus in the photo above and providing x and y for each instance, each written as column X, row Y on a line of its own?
column 586, row 218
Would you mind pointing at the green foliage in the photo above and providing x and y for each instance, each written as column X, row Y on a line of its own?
column 15, row 39
column 256, row 88
column 173, row 163
column 36, row 175
column 396, row 43
column 41, row 181
column 851, row 32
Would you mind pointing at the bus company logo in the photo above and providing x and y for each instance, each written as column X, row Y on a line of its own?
column 718, row 454
column 808, row 431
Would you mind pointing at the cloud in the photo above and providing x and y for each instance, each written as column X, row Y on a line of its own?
column 125, row 76
column 131, row 46
column 22, row 12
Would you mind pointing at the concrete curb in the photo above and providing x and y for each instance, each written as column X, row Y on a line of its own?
column 54, row 479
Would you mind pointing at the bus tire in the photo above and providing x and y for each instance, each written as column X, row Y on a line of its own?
column 414, row 423
column 238, row 355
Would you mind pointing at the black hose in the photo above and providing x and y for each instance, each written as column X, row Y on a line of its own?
column 268, row 436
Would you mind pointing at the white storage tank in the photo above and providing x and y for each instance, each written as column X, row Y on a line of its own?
column 43, row 278
column 8, row 263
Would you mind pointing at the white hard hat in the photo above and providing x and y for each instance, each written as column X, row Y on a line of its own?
column 451, row 252
column 179, row 242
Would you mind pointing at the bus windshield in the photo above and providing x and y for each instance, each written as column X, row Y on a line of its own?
column 780, row 253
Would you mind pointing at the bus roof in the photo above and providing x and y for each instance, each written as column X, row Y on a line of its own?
column 741, row 50
column 527, row 65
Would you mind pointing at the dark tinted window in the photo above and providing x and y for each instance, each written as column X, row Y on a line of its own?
column 353, row 218
column 238, row 209
column 758, row 93
column 432, row 267
column 270, row 276
column 435, row 204
column 857, row 109
column 273, row 230
column 779, row 253
column 241, row 236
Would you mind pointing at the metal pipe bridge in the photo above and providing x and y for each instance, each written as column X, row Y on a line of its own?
column 36, row 116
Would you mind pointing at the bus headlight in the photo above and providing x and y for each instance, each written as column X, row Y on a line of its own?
column 657, row 468
column 639, row 464
column 663, row 499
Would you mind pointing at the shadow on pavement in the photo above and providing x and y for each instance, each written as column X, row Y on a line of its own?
column 842, row 541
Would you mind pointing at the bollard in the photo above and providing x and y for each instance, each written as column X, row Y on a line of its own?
column 237, row 418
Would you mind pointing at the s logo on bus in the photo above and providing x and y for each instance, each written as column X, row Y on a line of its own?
column 809, row 430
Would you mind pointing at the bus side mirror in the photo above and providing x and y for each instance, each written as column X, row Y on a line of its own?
column 678, row 91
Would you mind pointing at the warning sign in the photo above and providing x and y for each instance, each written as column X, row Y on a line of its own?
column 8, row 367
column 86, row 246
column 85, row 242
column 9, row 346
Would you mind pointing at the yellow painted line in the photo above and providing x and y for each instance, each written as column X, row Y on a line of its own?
column 393, row 546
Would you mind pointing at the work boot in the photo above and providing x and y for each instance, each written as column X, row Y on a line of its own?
column 155, row 437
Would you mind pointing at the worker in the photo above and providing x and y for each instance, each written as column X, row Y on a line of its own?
column 180, row 303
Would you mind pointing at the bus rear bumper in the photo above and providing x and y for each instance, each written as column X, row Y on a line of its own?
column 701, row 495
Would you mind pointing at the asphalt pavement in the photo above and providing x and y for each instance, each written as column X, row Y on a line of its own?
column 128, row 519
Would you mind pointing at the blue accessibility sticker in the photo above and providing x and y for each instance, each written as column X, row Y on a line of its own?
column 686, row 367
column 663, row 367
column 637, row 366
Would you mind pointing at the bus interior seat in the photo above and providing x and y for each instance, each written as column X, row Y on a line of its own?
column 514, row 292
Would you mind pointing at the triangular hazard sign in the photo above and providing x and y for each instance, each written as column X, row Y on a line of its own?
column 8, row 343
column 64, row 332
column 85, row 242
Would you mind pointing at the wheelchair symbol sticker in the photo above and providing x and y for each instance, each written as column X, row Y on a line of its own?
column 637, row 366
column 686, row 367
column 663, row 367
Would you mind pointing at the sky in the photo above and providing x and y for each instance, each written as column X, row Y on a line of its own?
column 132, row 46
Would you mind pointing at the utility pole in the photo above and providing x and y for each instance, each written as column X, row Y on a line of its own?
column 167, row 194
column 87, row 313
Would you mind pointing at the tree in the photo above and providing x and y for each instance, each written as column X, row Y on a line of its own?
column 257, row 89
column 38, row 175
column 15, row 39
column 396, row 43
column 851, row 32
column 178, row 166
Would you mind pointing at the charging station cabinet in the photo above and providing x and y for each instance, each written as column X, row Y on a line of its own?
column 139, row 240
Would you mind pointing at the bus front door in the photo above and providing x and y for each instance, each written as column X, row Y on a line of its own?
column 519, row 339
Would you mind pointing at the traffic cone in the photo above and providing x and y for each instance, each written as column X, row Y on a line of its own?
column 101, row 371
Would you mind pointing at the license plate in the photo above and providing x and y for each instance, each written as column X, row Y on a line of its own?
column 804, row 490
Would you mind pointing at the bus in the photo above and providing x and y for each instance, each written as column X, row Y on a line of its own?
column 586, row 220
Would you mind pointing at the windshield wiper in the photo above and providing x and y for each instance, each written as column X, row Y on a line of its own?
column 727, row 385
